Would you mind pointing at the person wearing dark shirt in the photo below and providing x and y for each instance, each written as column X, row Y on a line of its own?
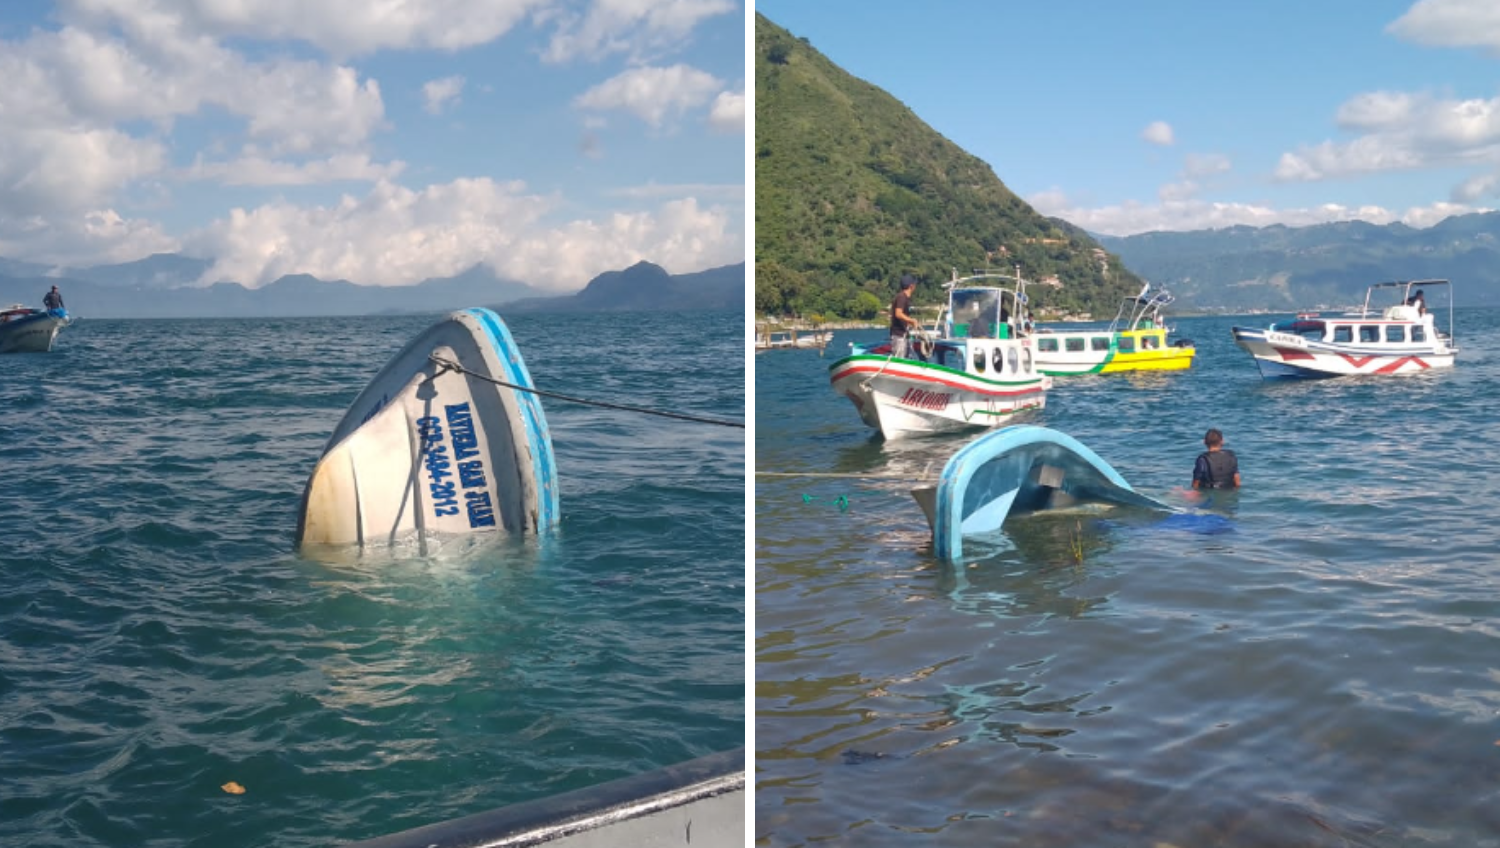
column 53, row 299
column 1217, row 467
column 901, row 320
column 1418, row 300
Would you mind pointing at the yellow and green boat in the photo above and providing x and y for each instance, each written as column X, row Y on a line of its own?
column 1137, row 340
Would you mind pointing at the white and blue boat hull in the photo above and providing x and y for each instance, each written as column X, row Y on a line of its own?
column 430, row 450
column 1016, row 470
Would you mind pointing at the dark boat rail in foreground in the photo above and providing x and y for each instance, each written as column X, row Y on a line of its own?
column 700, row 802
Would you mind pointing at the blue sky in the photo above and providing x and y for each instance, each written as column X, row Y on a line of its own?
column 377, row 142
column 1174, row 115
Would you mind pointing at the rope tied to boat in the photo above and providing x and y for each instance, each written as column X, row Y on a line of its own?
column 450, row 365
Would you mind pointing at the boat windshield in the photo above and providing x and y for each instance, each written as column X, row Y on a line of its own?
column 1301, row 327
column 966, row 305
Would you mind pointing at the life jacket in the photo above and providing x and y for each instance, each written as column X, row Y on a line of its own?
column 1222, row 466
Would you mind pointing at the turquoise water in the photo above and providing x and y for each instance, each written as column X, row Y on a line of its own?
column 160, row 637
column 1326, row 674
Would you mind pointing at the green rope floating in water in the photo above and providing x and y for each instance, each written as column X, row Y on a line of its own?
column 842, row 501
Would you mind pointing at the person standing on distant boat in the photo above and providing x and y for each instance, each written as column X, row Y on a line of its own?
column 1217, row 467
column 53, row 299
column 1418, row 300
column 901, row 320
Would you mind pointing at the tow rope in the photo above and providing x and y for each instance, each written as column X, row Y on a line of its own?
column 450, row 365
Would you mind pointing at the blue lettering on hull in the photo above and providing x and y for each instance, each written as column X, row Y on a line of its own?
column 470, row 467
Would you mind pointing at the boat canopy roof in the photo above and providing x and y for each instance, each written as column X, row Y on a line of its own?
column 984, row 295
column 1134, row 311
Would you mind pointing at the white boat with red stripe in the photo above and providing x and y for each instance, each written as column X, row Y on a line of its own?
column 978, row 369
column 1401, row 337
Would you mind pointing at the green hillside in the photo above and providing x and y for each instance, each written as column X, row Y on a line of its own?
column 852, row 190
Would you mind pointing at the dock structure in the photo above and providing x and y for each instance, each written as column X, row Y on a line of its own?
column 790, row 338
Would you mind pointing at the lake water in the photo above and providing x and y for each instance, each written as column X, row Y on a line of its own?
column 1326, row 674
column 161, row 637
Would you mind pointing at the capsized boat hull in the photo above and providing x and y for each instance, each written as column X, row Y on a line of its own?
column 901, row 397
column 1288, row 356
column 426, row 449
column 31, row 331
column 1016, row 470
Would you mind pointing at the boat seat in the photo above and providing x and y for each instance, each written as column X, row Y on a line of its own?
column 1401, row 313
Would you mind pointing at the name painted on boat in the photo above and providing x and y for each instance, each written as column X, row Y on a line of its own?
column 480, row 510
column 1286, row 339
column 463, row 470
column 924, row 399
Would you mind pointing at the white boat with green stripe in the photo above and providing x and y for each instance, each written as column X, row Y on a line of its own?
column 978, row 370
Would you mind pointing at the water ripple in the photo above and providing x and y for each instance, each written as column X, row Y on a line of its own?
column 1323, row 675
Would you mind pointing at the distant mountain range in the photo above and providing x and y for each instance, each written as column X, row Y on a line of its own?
column 1326, row 265
column 163, row 286
column 643, row 287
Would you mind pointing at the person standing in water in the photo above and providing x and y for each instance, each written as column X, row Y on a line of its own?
column 1217, row 467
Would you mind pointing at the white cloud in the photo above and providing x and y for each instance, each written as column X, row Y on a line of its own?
column 1158, row 132
column 652, row 94
column 1361, row 156
column 1426, row 216
column 48, row 171
column 1451, row 23
column 89, row 109
column 727, row 191
column 341, row 27
column 302, row 107
column 1204, row 164
column 100, row 235
column 1131, row 218
column 395, row 235
column 76, row 88
column 635, row 27
column 252, row 169
column 1177, row 191
column 728, row 112
column 162, row 72
column 1375, row 110
column 1476, row 187
column 442, row 92
column 1405, row 132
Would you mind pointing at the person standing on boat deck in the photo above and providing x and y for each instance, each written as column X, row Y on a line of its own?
column 53, row 299
column 1418, row 300
column 901, row 320
column 1217, row 467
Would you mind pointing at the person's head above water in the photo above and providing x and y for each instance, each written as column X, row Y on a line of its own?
column 1213, row 438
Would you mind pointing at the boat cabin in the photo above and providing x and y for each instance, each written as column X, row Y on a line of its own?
column 1388, row 329
column 1407, row 322
column 1098, row 341
column 982, row 313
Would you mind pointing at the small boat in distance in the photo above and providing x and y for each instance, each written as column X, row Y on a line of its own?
column 431, row 449
column 1400, row 338
column 977, row 369
column 1135, row 341
column 766, row 339
column 24, row 329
